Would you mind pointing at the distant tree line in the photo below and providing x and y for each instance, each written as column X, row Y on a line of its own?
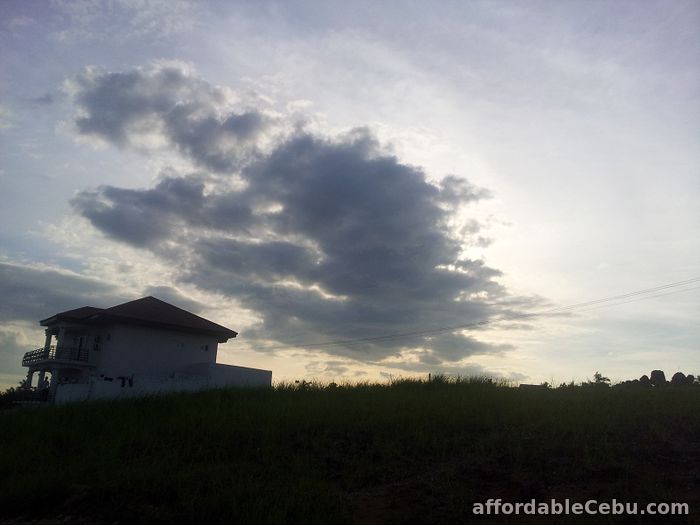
column 657, row 378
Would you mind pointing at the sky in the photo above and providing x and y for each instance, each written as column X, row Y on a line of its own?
column 315, row 172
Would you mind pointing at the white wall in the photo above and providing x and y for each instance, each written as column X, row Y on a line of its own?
column 97, row 388
column 69, row 393
column 229, row 375
column 220, row 376
column 128, row 350
column 191, row 378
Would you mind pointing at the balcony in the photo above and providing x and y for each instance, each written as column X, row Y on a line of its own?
column 56, row 353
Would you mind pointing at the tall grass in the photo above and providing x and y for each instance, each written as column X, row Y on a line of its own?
column 408, row 451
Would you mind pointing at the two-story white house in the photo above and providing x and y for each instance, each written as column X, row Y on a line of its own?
column 140, row 347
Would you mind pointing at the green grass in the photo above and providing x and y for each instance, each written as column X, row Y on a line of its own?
column 409, row 452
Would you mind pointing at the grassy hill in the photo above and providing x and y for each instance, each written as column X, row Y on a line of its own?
column 409, row 452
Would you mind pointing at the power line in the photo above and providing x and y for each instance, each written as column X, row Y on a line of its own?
column 596, row 303
column 389, row 337
column 551, row 311
column 642, row 298
column 629, row 294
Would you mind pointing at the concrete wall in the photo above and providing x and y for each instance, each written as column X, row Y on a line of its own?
column 220, row 376
column 127, row 350
column 98, row 388
column 68, row 393
column 229, row 375
column 190, row 378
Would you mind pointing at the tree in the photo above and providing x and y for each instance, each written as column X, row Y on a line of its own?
column 600, row 379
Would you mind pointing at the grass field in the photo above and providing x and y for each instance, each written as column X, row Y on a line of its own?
column 409, row 452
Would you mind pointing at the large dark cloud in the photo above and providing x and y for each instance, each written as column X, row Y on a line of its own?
column 142, row 217
column 325, row 238
column 167, row 102
column 31, row 294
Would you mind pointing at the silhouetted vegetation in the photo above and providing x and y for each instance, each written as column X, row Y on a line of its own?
column 7, row 398
column 408, row 452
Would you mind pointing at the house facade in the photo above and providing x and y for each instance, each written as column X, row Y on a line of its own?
column 140, row 347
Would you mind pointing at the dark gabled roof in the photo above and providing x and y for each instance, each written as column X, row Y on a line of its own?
column 79, row 313
column 147, row 311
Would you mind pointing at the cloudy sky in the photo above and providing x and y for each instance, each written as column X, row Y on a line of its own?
column 313, row 172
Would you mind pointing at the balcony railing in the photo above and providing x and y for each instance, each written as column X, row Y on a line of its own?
column 63, row 353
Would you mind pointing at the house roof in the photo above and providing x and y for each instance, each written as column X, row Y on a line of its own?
column 147, row 311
